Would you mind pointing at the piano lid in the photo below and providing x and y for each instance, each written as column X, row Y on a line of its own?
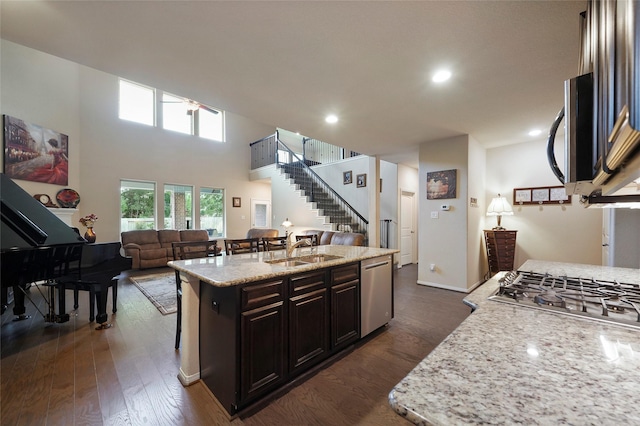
column 28, row 223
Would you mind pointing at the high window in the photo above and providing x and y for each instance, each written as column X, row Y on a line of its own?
column 190, row 117
column 137, row 205
column 137, row 103
column 212, row 211
column 175, row 113
column 178, row 207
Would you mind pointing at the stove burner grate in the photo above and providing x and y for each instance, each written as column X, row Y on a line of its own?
column 604, row 300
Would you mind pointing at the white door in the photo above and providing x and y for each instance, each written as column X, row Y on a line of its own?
column 260, row 213
column 407, row 230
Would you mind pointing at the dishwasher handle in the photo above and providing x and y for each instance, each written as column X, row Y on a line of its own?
column 376, row 265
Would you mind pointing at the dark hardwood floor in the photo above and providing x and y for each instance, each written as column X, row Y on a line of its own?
column 72, row 374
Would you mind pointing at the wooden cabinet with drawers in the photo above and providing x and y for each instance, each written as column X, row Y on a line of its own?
column 501, row 249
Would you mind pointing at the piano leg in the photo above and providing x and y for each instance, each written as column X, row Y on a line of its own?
column 101, row 293
column 18, row 303
column 4, row 299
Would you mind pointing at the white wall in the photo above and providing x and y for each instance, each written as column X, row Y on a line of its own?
column 83, row 103
column 564, row 233
column 444, row 241
column 476, row 259
column 332, row 174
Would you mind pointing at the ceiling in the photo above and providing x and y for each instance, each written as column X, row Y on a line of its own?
column 289, row 64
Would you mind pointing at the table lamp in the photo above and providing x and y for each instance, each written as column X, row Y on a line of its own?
column 499, row 206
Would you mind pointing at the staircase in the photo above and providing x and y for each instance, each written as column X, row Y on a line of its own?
column 339, row 213
column 334, row 210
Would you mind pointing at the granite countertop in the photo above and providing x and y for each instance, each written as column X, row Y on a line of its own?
column 509, row 364
column 223, row 271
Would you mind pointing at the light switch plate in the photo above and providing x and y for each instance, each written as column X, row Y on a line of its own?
column 434, row 215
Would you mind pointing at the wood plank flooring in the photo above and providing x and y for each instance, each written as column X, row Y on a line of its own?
column 72, row 374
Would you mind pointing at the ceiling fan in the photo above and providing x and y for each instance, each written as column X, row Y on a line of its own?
column 191, row 105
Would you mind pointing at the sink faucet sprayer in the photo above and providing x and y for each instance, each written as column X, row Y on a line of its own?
column 290, row 247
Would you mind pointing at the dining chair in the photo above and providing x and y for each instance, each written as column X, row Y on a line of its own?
column 183, row 250
column 312, row 237
column 274, row 243
column 244, row 245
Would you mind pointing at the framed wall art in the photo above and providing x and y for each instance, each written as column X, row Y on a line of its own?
column 347, row 177
column 441, row 184
column 236, row 202
column 541, row 195
column 361, row 180
column 35, row 153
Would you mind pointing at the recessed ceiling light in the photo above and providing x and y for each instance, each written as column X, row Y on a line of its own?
column 331, row 119
column 535, row 132
column 441, row 76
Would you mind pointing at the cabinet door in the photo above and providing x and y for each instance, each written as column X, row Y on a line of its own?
column 308, row 330
column 345, row 313
column 308, row 321
column 262, row 362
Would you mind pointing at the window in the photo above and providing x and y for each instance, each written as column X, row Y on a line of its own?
column 192, row 118
column 175, row 115
column 178, row 207
column 137, row 103
column 212, row 211
column 137, row 205
column 210, row 124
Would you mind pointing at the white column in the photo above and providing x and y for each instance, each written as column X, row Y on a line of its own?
column 189, row 341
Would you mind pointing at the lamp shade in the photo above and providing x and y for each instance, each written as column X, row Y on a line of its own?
column 499, row 206
column 286, row 223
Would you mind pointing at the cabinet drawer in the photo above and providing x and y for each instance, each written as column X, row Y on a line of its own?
column 345, row 273
column 300, row 284
column 261, row 294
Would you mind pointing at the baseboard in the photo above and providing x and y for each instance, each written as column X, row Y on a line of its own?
column 188, row 380
column 446, row 287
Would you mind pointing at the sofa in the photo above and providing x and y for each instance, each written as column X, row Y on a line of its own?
column 336, row 238
column 151, row 248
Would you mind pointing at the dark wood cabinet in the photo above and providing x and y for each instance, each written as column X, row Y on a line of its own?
column 256, row 337
column 308, row 320
column 501, row 249
column 345, row 305
column 262, row 354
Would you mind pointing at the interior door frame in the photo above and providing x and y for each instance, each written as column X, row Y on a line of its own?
column 254, row 202
column 414, row 226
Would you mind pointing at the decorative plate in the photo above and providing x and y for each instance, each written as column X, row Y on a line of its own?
column 68, row 198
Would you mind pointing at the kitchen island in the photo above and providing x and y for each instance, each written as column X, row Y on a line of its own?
column 509, row 364
column 253, row 322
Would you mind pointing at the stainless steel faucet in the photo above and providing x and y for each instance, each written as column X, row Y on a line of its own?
column 290, row 247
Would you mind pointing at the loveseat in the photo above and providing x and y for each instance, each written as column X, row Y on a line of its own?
column 337, row 238
column 152, row 248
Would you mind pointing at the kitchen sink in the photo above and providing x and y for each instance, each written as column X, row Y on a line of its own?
column 303, row 260
column 315, row 258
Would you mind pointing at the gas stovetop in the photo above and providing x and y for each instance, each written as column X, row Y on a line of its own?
column 597, row 299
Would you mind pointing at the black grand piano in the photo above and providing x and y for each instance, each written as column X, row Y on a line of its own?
column 36, row 246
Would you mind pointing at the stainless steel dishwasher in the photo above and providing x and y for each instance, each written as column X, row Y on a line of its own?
column 376, row 293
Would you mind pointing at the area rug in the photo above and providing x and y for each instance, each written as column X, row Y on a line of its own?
column 160, row 289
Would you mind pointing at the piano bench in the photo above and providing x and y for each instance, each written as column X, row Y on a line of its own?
column 97, row 296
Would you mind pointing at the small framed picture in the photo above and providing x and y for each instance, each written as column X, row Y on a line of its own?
column 236, row 202
column 559, row 194
column 540, row 195
column 361, row 180
column 522, row 195
column 347, row 177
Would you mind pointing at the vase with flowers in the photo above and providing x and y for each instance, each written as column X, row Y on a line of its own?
column 88, row 221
